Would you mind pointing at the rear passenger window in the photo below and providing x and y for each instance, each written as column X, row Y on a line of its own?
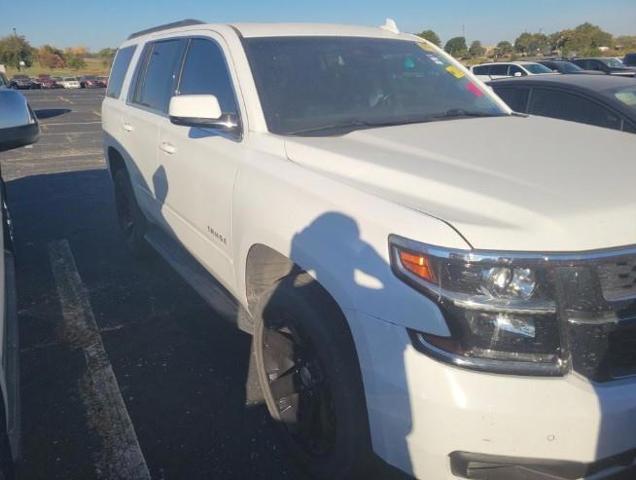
column 499, row 70
column 516, row 98
column 205, row 72
column 481, row 70
column 118, row 71
column 156, row 81
column 558, row 104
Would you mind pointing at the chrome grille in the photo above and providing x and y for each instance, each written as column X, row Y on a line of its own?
column 618, row 279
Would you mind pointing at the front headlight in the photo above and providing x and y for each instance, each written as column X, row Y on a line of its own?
column 501, row 310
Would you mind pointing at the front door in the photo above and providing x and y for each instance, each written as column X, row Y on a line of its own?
column 197, row 167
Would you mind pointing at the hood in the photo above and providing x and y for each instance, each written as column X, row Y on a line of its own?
column 505, row 183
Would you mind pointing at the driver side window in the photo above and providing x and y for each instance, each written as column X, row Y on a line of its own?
column 515, row 70
column 205, row 72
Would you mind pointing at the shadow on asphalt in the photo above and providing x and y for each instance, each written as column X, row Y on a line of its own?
column 45, row 113
column 181, row 370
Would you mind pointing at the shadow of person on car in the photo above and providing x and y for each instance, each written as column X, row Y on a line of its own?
column 320, row 370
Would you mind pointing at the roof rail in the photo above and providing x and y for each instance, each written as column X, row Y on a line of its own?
column 181, row 23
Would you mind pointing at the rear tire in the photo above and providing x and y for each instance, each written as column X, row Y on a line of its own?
column 309, row 373
column 131, row 219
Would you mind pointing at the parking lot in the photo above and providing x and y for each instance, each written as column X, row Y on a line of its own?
column 171, row 396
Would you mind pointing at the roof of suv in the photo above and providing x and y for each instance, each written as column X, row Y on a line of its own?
column 249, row 30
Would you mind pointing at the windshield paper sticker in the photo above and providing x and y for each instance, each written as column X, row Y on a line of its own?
column 454, row 71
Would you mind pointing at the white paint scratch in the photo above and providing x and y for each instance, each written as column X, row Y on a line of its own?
column 120, row 456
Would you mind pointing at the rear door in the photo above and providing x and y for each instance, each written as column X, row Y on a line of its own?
column 197, row 167
column 149, row 94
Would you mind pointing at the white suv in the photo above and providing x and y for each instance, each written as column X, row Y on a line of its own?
column 427, row 275
column 492, row 71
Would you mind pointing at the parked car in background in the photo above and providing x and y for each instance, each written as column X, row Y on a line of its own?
column 427, row 276
column 601, row 100
column 71, row 82
column 630, row 60
column 47, row 82
column 18, row 127
column 566, row 67
column 22, row 82
column 607, row 65
column 104, row 80
column 491, row 71
column 91, row 81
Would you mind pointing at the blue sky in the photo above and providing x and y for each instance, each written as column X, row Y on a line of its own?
column 105, row 23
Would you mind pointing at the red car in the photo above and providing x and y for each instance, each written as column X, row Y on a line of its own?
column 91, row 81
column 47, row 82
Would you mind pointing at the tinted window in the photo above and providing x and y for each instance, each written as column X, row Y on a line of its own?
column 501, row 70
column 118, row 72
column 516, row 69
column 630, row 60
column 326, row 85
column 629, row 127
column 537, row 68
column 566, row 106
column 156, row 85
column 205, row 72
column 515, row 97
column 483, row 70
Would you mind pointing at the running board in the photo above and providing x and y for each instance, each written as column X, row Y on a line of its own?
column 199, row 278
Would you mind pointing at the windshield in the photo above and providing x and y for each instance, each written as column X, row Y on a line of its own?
column 613, row 62
column 627, row 96
column 310, row 84
column 536, row 68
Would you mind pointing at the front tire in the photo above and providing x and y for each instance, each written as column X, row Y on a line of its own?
column 131, row 219
column 310, row 377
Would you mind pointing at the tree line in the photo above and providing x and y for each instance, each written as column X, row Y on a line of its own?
column 17, row 52
column 584, row 40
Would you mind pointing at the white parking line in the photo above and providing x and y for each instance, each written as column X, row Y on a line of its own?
column 64, row 99
column 120, row 455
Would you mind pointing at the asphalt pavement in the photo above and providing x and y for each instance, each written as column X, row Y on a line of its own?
column 121, row 361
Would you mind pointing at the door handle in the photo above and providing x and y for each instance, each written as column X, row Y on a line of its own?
column 169, row 148
column 128, row 127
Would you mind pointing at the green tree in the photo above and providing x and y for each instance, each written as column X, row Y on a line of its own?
column 476, row 49
column 457, row 47
column 106, row 55
column 431, row 36
column 531, row 43
column 75, row 62
column 15, row 49
column 586, row 39
column 504, row 48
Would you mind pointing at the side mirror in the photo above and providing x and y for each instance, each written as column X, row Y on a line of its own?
column 518, row 74
column 18, row 125
column 201, row 111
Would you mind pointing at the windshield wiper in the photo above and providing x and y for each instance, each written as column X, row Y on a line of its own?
column 347, row 127
column 460, row 113
column 357, row 124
